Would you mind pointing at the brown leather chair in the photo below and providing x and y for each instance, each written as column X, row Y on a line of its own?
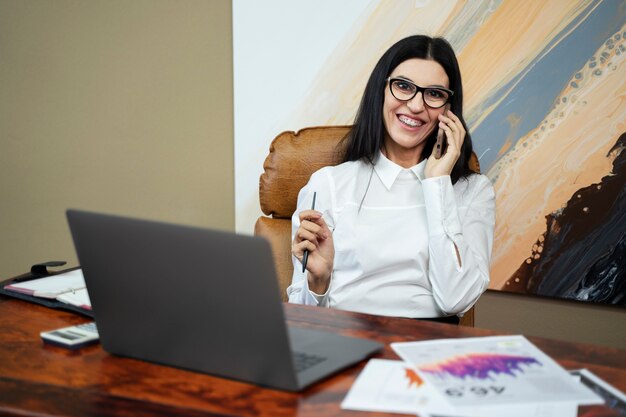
column 293, row 157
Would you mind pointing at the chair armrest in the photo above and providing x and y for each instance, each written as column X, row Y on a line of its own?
column 278, row 233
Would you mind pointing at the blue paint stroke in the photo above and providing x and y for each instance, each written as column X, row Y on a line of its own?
column 535, row 94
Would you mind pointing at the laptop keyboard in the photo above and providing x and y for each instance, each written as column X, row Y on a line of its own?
column 304, row 361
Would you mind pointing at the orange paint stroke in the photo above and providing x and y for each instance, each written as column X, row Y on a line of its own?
column 413, row 377
column 507, row 145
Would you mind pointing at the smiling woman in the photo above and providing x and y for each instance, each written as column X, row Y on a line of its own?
column 397, row 231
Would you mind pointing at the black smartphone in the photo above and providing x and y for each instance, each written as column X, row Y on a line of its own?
column 441, row 143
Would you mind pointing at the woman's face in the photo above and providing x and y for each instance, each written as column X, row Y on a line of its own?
column 409, row 123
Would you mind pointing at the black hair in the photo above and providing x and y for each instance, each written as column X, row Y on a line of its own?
column 367, row 135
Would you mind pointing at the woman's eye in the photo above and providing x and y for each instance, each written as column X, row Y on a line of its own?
column 403, row 86
column 436, row 93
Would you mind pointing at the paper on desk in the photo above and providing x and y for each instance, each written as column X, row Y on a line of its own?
column 79, row 298
column 491, row 371
column 52, row 286
column 393, row 387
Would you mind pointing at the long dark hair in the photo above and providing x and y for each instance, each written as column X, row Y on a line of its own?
column 367, row 135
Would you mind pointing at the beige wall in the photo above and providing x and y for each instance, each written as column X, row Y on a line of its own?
column 126, row 107
column 112, row 105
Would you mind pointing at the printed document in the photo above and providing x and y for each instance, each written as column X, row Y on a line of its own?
column 394, row 387
column 491, row 371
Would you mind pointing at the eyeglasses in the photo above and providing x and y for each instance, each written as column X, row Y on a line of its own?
column 404, row 90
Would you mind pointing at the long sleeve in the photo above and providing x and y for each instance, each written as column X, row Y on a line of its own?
column 298, row 292
column 467, row 228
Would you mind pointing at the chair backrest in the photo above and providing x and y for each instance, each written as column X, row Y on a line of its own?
column 293, row 157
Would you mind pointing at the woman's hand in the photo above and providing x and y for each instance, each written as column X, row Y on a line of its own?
column 455, row 135
column 315, row 236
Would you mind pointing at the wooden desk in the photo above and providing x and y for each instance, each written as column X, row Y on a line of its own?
column 45, row 380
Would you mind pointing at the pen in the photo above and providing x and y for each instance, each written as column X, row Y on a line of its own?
column 305, row 257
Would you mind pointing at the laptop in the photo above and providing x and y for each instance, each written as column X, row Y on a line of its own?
column 201, row 300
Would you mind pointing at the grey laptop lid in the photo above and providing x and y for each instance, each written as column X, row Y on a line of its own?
column 198, row 299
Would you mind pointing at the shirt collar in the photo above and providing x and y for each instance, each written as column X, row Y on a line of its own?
column 388, row 171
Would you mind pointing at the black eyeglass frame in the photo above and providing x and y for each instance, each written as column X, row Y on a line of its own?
column 419, row 89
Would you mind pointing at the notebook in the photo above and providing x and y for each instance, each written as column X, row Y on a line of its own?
column 202, row 300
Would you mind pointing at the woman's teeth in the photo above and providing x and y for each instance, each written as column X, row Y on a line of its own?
column 410, row 122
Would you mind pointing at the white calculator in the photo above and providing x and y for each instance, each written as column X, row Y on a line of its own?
column 72, row 337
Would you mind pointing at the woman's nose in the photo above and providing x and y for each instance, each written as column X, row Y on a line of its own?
column 416, row 104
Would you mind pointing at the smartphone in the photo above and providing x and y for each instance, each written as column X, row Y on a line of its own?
column 72, row 337
column 440, row 144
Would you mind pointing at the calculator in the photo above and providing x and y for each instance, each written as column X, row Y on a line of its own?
column 72, row 337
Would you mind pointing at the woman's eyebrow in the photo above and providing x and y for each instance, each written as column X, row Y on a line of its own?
column 402, row 77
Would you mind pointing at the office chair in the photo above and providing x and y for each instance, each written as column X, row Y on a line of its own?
column 293, row 157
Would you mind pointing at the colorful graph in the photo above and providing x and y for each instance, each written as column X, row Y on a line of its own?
column 480, row 366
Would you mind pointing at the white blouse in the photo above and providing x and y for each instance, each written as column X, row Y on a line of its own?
column 395, row 240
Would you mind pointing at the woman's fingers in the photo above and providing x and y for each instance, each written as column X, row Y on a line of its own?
column 304, row 234
column 313, row 221
column 453, row 126
column 313, row 229
column 310, row 215
column 454, row 131
column 298, row 248
column 314, row 235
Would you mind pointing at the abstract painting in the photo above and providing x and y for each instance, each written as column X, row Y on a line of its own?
column 545, row 101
